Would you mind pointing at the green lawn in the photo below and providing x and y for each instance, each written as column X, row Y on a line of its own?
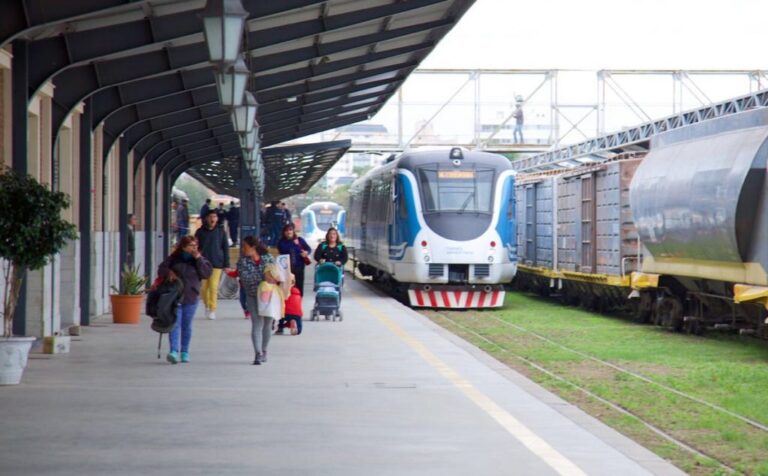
column 728, row 371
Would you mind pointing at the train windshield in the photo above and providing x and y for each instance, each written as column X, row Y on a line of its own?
column 456, row 190
column 326, row 218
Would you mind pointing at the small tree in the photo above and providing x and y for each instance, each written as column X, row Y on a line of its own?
column 31, row 232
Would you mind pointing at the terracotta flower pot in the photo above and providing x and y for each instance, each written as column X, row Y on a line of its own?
column 126, row 309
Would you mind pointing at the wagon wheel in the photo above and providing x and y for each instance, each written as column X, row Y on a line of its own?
column 669, row 313
column 644, row 308
column 693, row 327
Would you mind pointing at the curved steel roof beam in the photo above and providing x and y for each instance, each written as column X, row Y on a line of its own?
column 272, row 80
column 312, row 107
column 176, row 171
column 130, row 37
column 135, row 135
column 176, row 140
column 85, row 80
column 180, row 163
column 27, row 16
column 287, row 58
column 169, row 156
column 135, row 115
column 313, row 129
column 112, row 99
column 155, row 137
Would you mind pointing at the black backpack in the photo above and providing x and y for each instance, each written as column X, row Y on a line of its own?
column 162, row 303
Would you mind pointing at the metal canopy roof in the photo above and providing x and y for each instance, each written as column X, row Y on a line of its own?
column 290, row 170
column 143, row 66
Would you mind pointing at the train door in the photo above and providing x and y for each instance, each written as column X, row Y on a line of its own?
column 530, row 223
column 588, row 225
column 393, row 225
column 365, row 204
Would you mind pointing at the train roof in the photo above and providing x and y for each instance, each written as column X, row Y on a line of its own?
column 720, row 125
column 409, row 160
column 412, row 159
column 316, row 205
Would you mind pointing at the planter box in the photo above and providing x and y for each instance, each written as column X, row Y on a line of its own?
column 13, row 358
column 56, row 345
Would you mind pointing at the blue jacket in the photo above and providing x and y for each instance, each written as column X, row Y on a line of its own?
column 288, row 247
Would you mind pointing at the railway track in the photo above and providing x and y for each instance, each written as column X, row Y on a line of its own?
column 650, row 426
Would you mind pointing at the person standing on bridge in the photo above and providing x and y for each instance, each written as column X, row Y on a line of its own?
column 519, row 120
column 214, row 246
column 185, row 263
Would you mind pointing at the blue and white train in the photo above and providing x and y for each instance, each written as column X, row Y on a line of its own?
column 439, row 224
column 318, row 217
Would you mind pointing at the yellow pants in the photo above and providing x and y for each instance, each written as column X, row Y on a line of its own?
column 209, row 291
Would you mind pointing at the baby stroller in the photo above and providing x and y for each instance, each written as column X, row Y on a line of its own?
column 328, row 281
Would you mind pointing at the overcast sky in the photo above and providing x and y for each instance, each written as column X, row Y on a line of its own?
column 596, row 34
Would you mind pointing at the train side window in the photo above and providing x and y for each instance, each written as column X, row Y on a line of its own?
column 401, row 205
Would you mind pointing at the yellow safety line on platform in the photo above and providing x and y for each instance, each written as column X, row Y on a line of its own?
column 519, row 431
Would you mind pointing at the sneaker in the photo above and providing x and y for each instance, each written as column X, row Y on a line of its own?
column 185, row 357
column 257, row 360
column 212, row 316
column 264, row 356
column 247, row 314
column 207, row 312
column 293, row 327
column 173, row 357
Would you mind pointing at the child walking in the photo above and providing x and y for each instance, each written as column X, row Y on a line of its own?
column 293, row 311
column 270, row 307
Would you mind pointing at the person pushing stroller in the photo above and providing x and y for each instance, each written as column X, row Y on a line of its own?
column 332, row 250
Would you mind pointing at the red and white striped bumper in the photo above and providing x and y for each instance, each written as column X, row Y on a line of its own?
column 477, row 299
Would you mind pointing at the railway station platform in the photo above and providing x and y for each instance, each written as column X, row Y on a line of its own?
column 385, row 392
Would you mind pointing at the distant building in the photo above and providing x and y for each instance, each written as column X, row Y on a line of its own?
column 364, row 132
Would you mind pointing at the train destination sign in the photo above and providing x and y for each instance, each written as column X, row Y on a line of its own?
column 456, row 174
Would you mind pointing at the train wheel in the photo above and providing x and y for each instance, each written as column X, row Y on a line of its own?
column 644, row 308
column 669, row 313
column 693, row 327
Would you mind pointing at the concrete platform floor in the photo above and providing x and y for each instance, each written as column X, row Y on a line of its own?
column 385, row 392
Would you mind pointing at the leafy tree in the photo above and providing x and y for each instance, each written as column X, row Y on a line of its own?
column 32, row 232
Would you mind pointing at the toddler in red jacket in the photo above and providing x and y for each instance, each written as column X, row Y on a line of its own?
column 293, row 311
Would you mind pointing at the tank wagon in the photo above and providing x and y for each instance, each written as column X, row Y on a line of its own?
column 575, row 233
column 438, row 225
column 680, row 235
column 318, row 217
column 700, row 204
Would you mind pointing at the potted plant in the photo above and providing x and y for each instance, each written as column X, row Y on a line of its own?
column 32, row 231
column 126, row 302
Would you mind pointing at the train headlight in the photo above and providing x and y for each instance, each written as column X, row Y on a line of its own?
column 426, row 258
column 490, row 259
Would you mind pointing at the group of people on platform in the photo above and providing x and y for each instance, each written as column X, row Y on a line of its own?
column 229, row 217
column 274, row 218
column 200, row 260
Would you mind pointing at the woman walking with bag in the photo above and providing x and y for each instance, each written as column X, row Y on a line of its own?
column 250, row 269
column 292, row 244
column 187, row 264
